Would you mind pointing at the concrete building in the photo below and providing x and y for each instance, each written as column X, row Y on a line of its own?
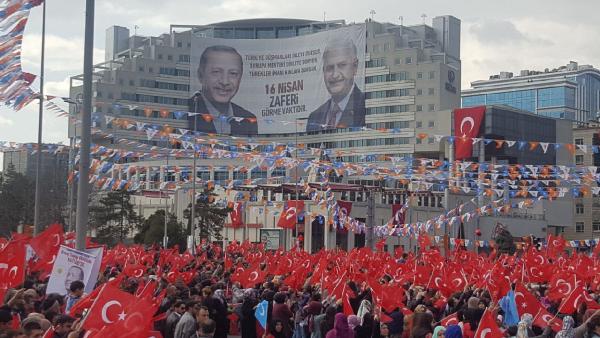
column 570, row 92
column 55, row 161
column 586, row 209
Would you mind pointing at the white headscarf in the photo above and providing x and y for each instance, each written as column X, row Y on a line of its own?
column 363, row 309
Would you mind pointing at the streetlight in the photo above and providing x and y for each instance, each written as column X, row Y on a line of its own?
column 73, row 142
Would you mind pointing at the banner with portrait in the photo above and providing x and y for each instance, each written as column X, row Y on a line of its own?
column 308, row 83
column 73, row 265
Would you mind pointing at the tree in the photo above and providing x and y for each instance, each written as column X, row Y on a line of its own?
column 152, row 230
column 113, row 217
column 210, row 217
column 17, row 199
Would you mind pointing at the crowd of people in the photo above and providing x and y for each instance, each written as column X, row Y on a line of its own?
column 216, row 292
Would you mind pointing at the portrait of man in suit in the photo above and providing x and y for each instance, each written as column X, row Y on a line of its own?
column 220, row 73
column 346, row 106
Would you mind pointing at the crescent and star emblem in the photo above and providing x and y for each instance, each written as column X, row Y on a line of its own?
column 105, row 309
column 465, row 120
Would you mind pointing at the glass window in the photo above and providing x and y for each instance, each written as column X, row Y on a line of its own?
column 170, row 57
column 579, row 141
column 244, row 33
column 160, row 56
column 579, row 159
column 430, row 140
column 265, row 33
column 238, row 175
column 258, row 173
column 431, row 107
column 596, row 226
column 225, row 33
column 278, row 172
column 432, row 75
column 286, row 32
column 419, row 124
column 419, row 141
column 431, row 124
column 179, row 44
column 419, row 107
column 579, row 208
column 472, row 101
column 579, row 226
column 419, row 91
column 419, row 75
column 221, row 175
column 520, row 99
column 408, row 60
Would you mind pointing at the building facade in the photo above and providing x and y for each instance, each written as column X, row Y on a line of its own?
column 586, row 209
column 570, row 92
column 55, row 161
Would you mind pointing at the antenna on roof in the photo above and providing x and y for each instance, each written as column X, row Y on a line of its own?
column 324, row 15
column 423, row 16
column 401, row 18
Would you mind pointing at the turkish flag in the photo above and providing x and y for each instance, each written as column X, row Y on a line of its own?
column 526, row 302
column 544, row 318
column 397, row 214
column 12, row 264
column 289, row 216
column 48, row 242
column 487, row 327
column 556, row 245
column 134, row 270
column 449, row 320
column 467, row 122
column 577, row 296
column 137, row 320
column 346, row 307
column 561, row 286
column 236, row 214
column 109, row 307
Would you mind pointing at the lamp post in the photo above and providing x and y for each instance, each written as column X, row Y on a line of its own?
column 37, row 227
column 86, row 123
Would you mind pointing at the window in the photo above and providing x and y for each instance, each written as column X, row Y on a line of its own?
column 431, row 91
column 419, row 124
column 183, row 58
column 430, row 140
column 170, row 57
column 110, row 96
column 131, row 83
column 386, row 93
column 596, row 226
column 388, row 109
column 472, row 101
column 150, row 70
column 397, row 61
column 141, row 68
column 238, row 175
column 579, row 141
column 579, row 208
column 431, row 124
column 221, row 176
column 419, row 75
column 376, row 63
column 432, row 75
column 160, row 56
column 431, row 107
column 408, row 60
column 419, row 92
column 579, row 227
column 578, row 159
column 419, row 141
column 179, row 44
column 419, row 107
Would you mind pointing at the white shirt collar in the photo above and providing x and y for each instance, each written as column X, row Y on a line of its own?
column 344, row 102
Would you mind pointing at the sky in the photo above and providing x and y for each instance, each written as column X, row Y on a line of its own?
column 507, row 35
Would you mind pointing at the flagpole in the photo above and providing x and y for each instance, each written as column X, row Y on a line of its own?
column 86, row 122
column 37, row 228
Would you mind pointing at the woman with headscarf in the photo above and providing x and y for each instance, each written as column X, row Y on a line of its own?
column 248, row 321
column 325, row 322
column 364, row 308
column 340, row 328
column 282, row 312
column 365, row 330
column 453, row 331
column 568, row 331
column 439, row 332
column 353, row 322
column 421, row 325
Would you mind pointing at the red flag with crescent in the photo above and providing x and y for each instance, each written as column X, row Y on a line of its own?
column 289, row 216
column 487, row 327
column 236, row 214
column 12, row 264
column 48, row 242
column 467, row 122
column 108, row 308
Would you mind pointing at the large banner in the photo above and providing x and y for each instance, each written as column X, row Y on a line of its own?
column 264, row 86
column 73, row 265
column 467, row 124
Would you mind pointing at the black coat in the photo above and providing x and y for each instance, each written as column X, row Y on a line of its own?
column 242, row 128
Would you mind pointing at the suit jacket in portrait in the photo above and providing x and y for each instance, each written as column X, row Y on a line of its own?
column 243, row 127
column 352, row 116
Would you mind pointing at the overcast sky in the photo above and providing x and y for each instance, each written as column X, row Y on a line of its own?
column 507, row 35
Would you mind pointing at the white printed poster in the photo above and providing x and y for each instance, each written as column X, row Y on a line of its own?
column 73, row 265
